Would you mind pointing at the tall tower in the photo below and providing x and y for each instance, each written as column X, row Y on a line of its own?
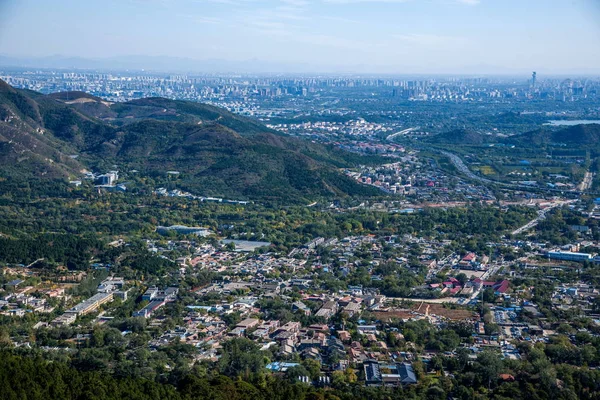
column 533, row 77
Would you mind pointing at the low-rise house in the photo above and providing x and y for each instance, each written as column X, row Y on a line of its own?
column 303, row 308
column 386, row 374
column 248, row 323
column 344, row 336
column 351, row 309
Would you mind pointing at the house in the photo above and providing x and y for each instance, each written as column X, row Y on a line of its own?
column 351, row 309
column 248, row 323
column 344, row 336
column 506, row 377
column 14, row 283
column 311, row 353
column 303, row 308
column 147, row 311
column 286, row 350
column 469, row 261
column 372, row 373
column 392, row 374
column 310, row 343
column 291, row 326
column 369, row 301
column 150, row 293
column 364, row 329
column 319, row 327
column 407, row 374
column 500, row 287
column 238, row 331
column 269, row 326
column 335, row 348
column 328, row 310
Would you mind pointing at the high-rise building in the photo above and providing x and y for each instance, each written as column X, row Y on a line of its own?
column 533, row 78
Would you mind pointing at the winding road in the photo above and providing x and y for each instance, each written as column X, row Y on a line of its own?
column 541, row 216
column 462, row 168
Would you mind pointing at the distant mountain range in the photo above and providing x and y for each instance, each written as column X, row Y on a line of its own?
column 216, row 152
column 153, row 63
column 168, row 64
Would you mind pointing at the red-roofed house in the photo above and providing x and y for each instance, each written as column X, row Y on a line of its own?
column 499, row 287
column 469, row 257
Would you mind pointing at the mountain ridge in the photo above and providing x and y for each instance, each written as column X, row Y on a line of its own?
column 217, row 152
column 583, row 134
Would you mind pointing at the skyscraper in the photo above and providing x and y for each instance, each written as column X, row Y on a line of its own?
column 533, row 76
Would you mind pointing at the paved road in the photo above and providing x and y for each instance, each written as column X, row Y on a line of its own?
column 404, row 132
column 415, row 300
column 587, row 182
column 460, row 165
column 541, row 216
column 33, row 263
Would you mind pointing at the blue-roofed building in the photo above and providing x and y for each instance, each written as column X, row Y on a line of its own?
column 407, row 374
column 569, row 256
column 14, row 283
column 372, row 373
column 280, row 366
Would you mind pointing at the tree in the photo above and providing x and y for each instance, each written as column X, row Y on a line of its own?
column 295, row 372
column 488, row 295
column 491, row 329
column 489, row 365
column 240, row 355
column 462, row 355
column 313, row 367
column 5, row 338
column 436, row 393
column 351, row 376
column 338, row 379
column 462, row 278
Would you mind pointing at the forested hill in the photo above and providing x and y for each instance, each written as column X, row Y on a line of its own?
column 216, row 152
column 577, row 135
column 587, row 135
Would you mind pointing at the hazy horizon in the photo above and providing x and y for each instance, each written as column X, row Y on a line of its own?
column 361, row 36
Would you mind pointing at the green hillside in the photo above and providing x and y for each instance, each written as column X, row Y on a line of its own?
column 216, row 152
column 577, row 135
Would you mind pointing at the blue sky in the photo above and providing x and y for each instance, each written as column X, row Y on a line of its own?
column 377, row 35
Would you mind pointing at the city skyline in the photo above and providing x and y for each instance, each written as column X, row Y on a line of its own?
column 376, row 36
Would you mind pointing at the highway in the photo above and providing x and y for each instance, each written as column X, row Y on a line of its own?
column 541, row 216
column 460, row 165
column 404, row 132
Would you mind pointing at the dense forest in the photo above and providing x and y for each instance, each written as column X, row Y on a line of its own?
column 33, row 377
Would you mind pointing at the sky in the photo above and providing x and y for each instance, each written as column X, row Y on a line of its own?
column 391, row 36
